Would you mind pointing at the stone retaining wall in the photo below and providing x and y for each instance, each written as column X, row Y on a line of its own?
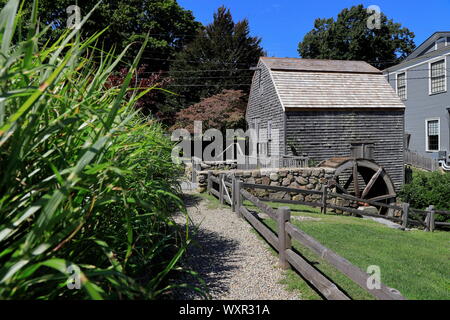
column 297, row 178
column 212, row 165
column 300, row 178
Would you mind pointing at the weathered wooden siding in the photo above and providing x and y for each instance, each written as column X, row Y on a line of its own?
column 326, row 134
column 326, row 130
column 265, row 106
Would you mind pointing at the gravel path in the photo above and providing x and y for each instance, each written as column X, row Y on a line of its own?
column 231, row 259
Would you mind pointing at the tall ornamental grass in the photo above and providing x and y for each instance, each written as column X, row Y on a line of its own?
column 87, row 186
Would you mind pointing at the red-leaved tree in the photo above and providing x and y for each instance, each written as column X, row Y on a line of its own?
column 142, row 80
column 225, row 110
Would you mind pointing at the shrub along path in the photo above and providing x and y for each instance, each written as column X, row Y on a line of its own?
column 229, row 256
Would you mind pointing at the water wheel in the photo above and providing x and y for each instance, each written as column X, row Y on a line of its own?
column 363, row 179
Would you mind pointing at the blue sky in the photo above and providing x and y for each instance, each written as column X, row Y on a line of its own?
column 283, row 23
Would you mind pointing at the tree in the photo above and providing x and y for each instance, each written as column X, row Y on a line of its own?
column 225, row 110
column 170, row 26
column 141, row 81
column 218, row 58
column 349, row 38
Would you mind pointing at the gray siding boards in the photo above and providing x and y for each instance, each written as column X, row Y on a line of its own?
column 420, row 104
column 322, row 106
column 264, row 106
column 327, row 134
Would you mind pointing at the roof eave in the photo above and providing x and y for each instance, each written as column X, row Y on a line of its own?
column 342, row 108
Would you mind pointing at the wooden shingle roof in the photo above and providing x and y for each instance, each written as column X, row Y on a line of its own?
column 295, row 64
column 304, row 83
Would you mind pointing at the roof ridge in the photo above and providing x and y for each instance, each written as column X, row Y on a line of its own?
column 311, row 59
column 319, row 65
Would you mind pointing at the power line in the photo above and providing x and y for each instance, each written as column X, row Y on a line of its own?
column 208, row 85
column 197, row 61
column 246, row 64
column 191, row 35
column 206, row 78
column 422, row 78
column 196, row 71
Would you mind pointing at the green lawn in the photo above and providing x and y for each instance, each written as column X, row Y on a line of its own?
column 416, row 263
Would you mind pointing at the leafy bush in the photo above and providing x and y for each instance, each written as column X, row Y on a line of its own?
column 428, row 188
column 85, row 182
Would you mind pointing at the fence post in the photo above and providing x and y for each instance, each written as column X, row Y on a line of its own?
column 209, row 181
column 233, row 193
column 238, row 197
column 221, row 191
column 430, row 219
column 324, row 199
column 193, row 176
column 432, row 216
column 405, row 210
column 284, row 239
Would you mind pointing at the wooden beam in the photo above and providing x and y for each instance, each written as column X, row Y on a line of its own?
column 369, row 201
column 371, row 182
column 355, row 179
column 265, row 232
column 306, row 203
column 354, row 273
column 349, row 181
column 324, row 199
column 327, row 288
column 341, row 188
column 383, row 197
column 278, row 188
column 264, row 207
column 405, row 213
column 430, row 225
column 363, row 213
column 284, row 239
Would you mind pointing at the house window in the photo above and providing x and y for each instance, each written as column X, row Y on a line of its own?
column 432, row 134
column 269, row 137
column 401, row 85
column 256, row 127
column 438, row 81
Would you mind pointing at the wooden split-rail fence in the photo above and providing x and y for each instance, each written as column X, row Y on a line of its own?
column 233, row 191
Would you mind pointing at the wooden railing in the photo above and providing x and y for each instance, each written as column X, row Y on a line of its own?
column 251, row 163
column 233, row 192
column 419, row 161
column 407, row 215
column 285, row 161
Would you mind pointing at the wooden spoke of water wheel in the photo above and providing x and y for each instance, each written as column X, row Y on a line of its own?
column 377, row 184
